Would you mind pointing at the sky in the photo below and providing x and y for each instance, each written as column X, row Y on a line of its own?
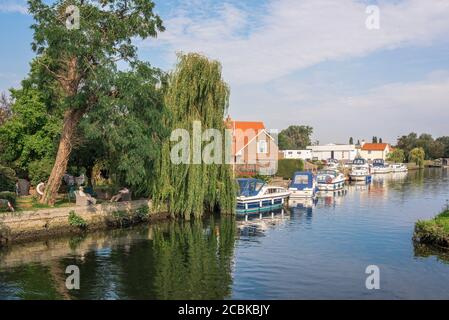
column 298, row 62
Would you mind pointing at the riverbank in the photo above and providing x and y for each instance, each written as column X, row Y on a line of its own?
column 434, row 232
column 38, row 224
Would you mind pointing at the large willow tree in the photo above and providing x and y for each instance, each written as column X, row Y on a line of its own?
column 195, row 92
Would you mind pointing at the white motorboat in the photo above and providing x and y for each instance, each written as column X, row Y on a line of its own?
column 303, row 185
column 256, row 196
column 398, row 167
column 360, row 170
column 379, row 166
column 332, row 164
column 330, row 180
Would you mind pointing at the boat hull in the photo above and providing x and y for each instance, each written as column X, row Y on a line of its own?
column 337, row 185
column 247, row 205
column 302, row 194
column 365, row 178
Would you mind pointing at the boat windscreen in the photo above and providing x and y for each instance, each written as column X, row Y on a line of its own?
column 249, row 187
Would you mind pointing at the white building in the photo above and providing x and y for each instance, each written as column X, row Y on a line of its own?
column 371, row 151
column 297, row 154
column 339, row 152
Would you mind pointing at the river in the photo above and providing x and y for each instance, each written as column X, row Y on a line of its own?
column 312, row 250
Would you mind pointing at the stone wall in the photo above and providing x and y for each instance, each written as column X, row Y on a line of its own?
column 16, row 226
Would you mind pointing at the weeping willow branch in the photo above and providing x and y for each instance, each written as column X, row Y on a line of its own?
column 196, row 92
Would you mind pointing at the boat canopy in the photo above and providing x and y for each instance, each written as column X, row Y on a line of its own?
column 359, row 161
column 302, row 180
column 249, row 187
column 378, row 162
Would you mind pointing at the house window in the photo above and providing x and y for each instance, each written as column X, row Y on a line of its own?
column 261, row 146
column 290, row 152
column 369, row 152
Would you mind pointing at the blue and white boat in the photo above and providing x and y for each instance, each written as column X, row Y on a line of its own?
column 303, row 185
column 330, row 180
column 256, row 196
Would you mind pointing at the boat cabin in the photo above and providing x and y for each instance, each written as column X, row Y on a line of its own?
column 302, row 180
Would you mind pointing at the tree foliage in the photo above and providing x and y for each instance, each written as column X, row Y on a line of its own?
column 196, row 92
column 396, row 156
column 30, row 133
column 417, row 155
column 295, row 137
column 81, row 63
column 433, row 148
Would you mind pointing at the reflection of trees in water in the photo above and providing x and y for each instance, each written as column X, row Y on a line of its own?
column 31, row 281
column 425, row 251
column 194, row 262
column 176, row 260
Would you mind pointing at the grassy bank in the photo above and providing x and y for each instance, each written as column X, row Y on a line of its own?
column 433, row 232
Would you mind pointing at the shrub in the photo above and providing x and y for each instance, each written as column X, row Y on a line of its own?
column 286, row 167
column 40, row 170
column 76, row 221
column 10, row 196
column 143, row 212
column 7, row 179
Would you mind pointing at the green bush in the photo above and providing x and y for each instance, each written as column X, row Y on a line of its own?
column 143, row 212
column 10, row 196
column 7, row 179
column 76, row 221
column 39, row 170
column 286, row 167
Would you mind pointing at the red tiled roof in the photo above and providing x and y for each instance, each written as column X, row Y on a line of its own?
column 245, row 125
column 374, row 146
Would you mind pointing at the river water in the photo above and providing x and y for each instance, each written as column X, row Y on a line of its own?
column 316, row 250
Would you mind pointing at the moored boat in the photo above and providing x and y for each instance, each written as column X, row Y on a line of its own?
column 398, row 167
column 360, row 170
column 379, row 166
column 256, row 196
column 303, row 185
column 330, row 180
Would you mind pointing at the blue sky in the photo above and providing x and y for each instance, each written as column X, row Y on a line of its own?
column 308, row 62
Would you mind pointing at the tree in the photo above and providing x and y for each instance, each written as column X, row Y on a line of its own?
column 374, row 140
column 417, row 155
column 351, row 140
column 196, row 92
column 380, row 140
column 31, row 133
column 5, row 108
column 128, row 137
column 295, row 137
column 445, row 142
column 396, row 156
column 81, row 62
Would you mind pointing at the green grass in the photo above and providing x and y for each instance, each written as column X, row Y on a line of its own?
column 434, row 231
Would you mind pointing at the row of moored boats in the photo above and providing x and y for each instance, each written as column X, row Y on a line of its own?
column 256, row 196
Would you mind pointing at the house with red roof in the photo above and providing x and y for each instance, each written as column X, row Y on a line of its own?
column 371, row 151
column 254, row 149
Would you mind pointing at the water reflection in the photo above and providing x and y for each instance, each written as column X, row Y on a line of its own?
column 313, row 249
column 255, row 225
column 189, row 260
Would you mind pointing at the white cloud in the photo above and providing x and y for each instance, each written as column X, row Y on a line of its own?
column 388, row 111
column 14, row 7
column 291, row 35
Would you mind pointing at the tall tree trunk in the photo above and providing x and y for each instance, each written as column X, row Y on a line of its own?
column 71, row 120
